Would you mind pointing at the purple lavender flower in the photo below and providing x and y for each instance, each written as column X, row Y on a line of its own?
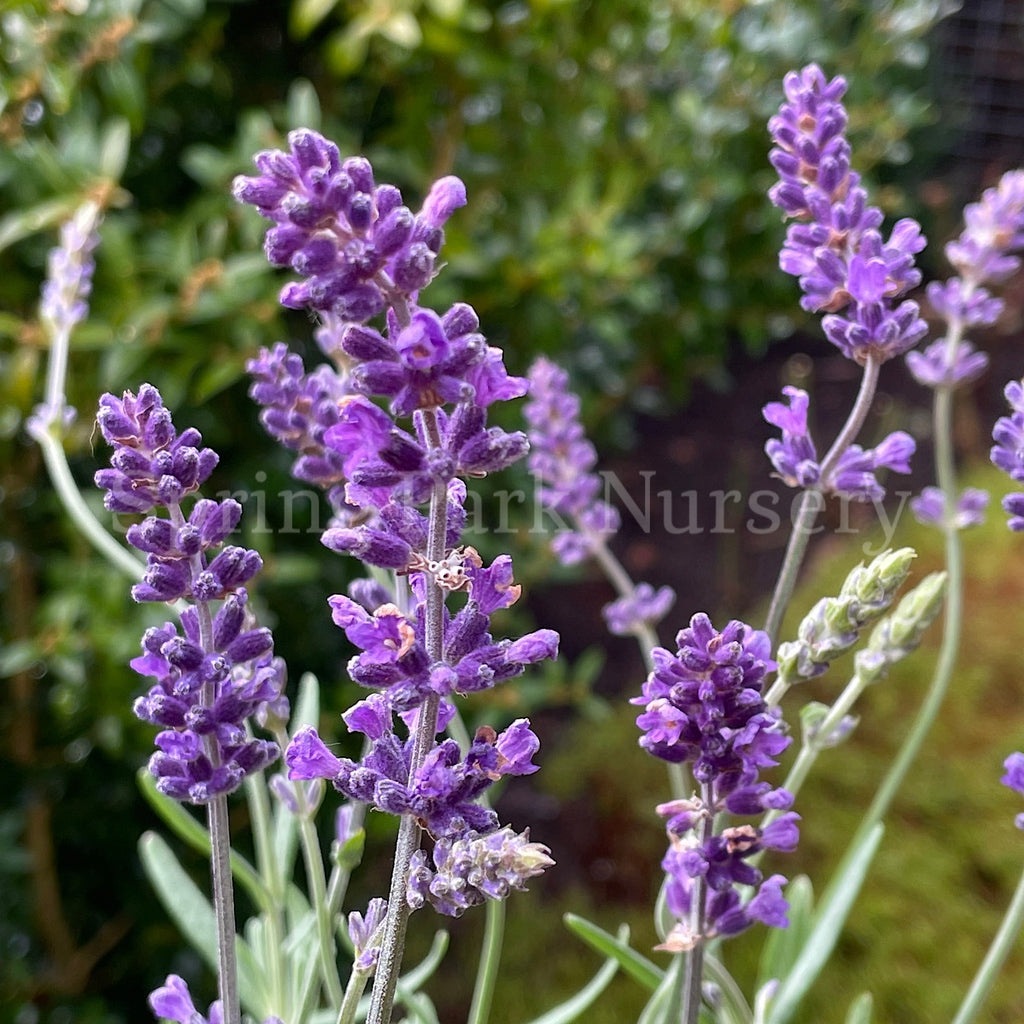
column 846, row 268
column 644, row 607
column 173, row 1002
column 795, row 457
column 70, row 267
column 1014, row 778
column 1008, row 451
column 982, row 255
column 298, row 408
column 704, row 706
column 562, row 462
column 929, row 507
column 931, row 369
column 355, row 243
column 364, row 931
column 362, row 253
column 219, row 671
column 152, row 465
column 443, row 794
column 473, row 868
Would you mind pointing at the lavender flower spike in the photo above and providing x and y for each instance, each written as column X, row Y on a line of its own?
column 358, row 248
column 218, row 671
column 1008, row 451
column 562, row 462
column 704, row 707
column 982, row 255
column 846, row 268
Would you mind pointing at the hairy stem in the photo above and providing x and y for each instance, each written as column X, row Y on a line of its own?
column 389, row 965
column 693, row 976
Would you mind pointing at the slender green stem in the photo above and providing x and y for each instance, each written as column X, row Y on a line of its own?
column 224, row 906
column 645, row 634
column 624, row 586
column 994, row 958
column 317, row 883
column 389, row 964
column 266, row 860
column 48, row 439
column 811, row 502
column 490, row 959
column 952, row 620
column 353, row 993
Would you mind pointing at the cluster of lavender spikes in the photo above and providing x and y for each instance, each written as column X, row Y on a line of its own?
column 220, row 670
column 361, row 252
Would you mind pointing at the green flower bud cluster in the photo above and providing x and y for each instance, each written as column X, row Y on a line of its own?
column 834, row 624
column 900, row 633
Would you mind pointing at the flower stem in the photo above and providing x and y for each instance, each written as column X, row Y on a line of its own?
column 318, row 898
column 994, row 958
column 220, row 831
column 224, row 907
column 812, row 502
column 693, row 976
column 266, row 859
column 490, row 958
column 945, row 470
column 389, row 965
column 645, row 634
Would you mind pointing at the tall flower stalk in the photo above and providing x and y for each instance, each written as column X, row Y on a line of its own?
column 218, row 670
column 854, row 275
column 361, row 253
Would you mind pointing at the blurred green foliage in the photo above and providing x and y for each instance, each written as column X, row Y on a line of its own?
column 615, row 155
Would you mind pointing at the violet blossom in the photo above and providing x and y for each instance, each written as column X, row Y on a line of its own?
column 835, row 247
column 218, row 670
column 1014, row 779
column 703, row 706
column 173, row 1002
column 562, row 462
column 983, row 255
column 406, row 427
column 1008, row 451
column 929, row 507
column 358, row 248
column 796, row 462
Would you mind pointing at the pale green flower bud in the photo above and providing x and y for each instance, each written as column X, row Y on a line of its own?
column 833, row 625
column 900, row 633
